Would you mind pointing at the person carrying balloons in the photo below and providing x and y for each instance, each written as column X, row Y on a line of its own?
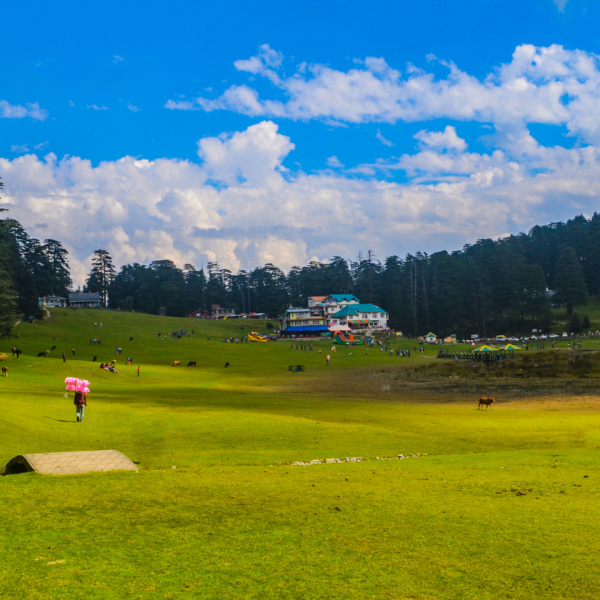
column 80, row 387
column 80, row 402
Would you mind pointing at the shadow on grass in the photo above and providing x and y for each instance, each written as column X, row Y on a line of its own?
column 59, row 420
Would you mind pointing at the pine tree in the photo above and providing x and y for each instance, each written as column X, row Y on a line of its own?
column 8, row 305
column 571, row 287
column 102, row 275
column 585, row 323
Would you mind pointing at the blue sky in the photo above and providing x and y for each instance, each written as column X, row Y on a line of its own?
column 284, row 132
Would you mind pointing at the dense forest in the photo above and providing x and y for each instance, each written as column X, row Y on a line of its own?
column 489, row 286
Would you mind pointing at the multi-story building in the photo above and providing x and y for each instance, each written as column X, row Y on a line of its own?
column 360, row 316
column 303, row 322
column 335, row 302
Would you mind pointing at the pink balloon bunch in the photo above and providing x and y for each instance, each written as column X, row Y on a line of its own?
column 77, row 385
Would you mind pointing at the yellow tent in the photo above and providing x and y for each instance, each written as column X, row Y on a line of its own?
column 509, row 348
column 485, row 348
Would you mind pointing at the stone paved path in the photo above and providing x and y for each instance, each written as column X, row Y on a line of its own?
column 69, row 463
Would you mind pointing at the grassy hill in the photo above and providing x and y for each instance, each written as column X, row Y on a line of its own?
column 217, row 510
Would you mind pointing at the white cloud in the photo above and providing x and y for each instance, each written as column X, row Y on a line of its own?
column 71, row 103
column 254, row 155
column 19, row 149
column 41, row 145
column 383, row 140
column 180, row 105
column 117, row 58
column 16, row 111
column 334, row 162
column 443, row 140
column 96, row 107
column 143, row 210
column 560, row 4
column 133, row 108
column 549, row 85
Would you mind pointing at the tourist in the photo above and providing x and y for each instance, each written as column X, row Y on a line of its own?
column 80, row 402
column 138, row 370
column 328, row 359
column 73, row 351
column 64, row 357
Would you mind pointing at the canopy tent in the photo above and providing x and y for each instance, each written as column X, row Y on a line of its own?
column 359, row 321
column 501, row 338
column 509, row 348
column 333, row 327
column 485, row 348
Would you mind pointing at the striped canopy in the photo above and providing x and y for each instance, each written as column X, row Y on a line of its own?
column 485, row 348
column 509, row 348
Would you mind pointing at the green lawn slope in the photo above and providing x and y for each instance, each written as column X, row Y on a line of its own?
column 500, row 504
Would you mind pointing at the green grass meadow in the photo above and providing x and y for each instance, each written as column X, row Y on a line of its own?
column 501, row 503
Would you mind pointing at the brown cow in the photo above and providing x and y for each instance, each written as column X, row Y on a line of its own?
column 487, row 401
column 176, row 363
column 4, row 371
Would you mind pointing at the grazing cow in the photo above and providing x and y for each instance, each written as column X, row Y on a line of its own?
column 176, row 363
column 41, row 353
column 192, row 363
column 226, row 365
column 131, row 339
column 4, row 371
column 53, row 348
column 486, row 401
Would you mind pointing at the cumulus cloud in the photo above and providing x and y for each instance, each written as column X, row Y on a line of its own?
column 235, row 206
column 443, row 140
column 133, row 108
column 16, row 111
column 19, row 149
column 96, row 107
column 549, row 85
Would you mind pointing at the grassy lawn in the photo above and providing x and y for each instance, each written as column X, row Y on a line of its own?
column 217, row 511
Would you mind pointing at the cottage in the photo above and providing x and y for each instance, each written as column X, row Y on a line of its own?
column 52, row 301
column 84, row 300
column 222, row 313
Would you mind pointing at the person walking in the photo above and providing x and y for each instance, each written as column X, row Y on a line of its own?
column 73, row 351
column 138, row 370
column 64, row 357
column 80, row 402
column 19, row 352
column 328, row 359
column 14, row 350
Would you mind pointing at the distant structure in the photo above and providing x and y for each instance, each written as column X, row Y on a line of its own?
column 333, row 313
column 53, row 301
column 84, row 300
column 222, row 313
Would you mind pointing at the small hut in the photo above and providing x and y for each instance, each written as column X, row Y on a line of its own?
column 431, row 338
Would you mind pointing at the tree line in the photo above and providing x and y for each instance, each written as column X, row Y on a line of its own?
column 487, row 287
